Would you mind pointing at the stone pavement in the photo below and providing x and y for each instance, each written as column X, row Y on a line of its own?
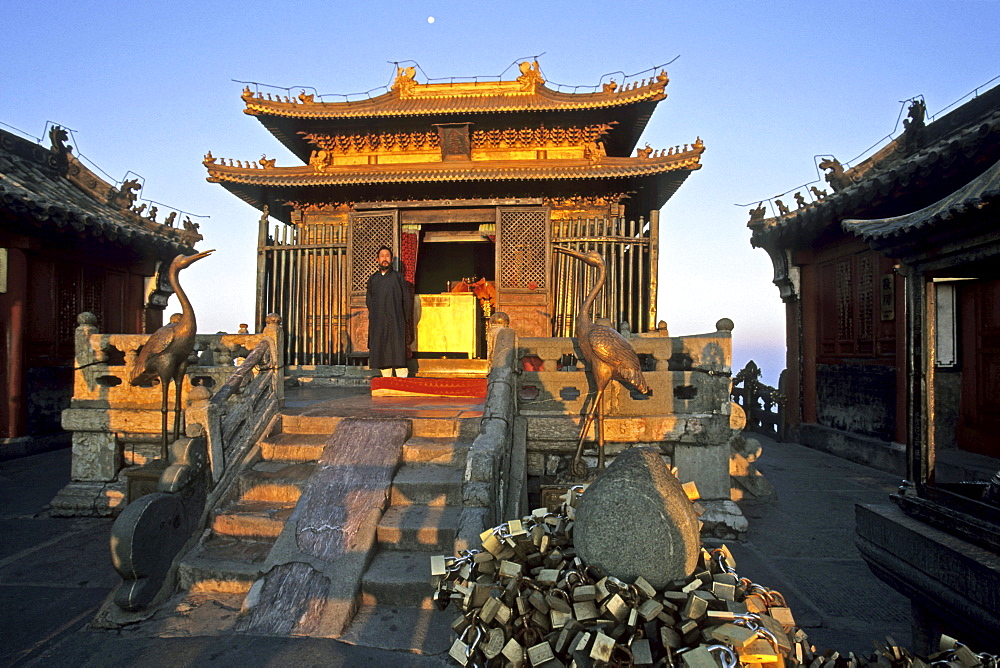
column 55, row 572
column 803, row 546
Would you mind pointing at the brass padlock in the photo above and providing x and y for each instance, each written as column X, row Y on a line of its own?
column 495, row 641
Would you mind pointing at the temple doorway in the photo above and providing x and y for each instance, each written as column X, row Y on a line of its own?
column 455, row 270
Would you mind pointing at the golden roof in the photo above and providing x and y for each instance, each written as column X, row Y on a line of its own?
column 410, row 98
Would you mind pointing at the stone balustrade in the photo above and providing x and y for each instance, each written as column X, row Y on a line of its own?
column 116, row 425
column 688, row 415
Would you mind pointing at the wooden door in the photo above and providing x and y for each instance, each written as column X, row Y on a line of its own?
column 979, row 422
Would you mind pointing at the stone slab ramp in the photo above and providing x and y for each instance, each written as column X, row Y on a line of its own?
column 321, row 556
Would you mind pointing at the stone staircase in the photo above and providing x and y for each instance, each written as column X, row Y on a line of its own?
column 421, row 520
column 248, row 521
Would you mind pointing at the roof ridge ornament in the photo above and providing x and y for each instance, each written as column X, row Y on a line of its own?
column 404, row 81
column 836, row 177
column 531, row 76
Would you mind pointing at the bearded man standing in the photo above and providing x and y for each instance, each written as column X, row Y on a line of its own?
column 390, row 308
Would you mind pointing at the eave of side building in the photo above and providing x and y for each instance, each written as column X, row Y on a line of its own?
column 409, row 103
column 909, row 174
column 48, row 191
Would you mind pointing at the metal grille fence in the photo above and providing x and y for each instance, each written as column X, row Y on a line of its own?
column 629, row 251
column 304, row 281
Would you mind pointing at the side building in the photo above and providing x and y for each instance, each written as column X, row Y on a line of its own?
column 862, row 296
column 464, row 179
column 69, row 243
column 892, row 287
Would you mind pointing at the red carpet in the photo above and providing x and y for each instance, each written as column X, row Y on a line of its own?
column 474, row 388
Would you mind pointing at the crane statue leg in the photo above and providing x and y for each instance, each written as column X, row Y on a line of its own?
column 579, row 468
column 178, row 384
column 600, row 431
column 165, row 394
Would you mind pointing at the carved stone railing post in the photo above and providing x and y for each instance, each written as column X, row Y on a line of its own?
column 276, row 333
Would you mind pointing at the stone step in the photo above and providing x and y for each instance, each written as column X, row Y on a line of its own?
column 397, row 578
column 339, row 381
column 291, row 447
column 425, row 427
column 401, row 628
column 446, row 427
column 275, row 481
column 252, row 519
column 427, row 485
column 420, row 450
column 207, row 570
column 415, row 528
column 308, row 424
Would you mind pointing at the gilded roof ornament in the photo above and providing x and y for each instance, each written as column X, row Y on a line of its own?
column 247, row 94
column 757, row 215
column 609, row 87
column 404, row 81
column 267, row 163
column 305, row 98
column 209, row 159
column 531, row 75
column 662, row 77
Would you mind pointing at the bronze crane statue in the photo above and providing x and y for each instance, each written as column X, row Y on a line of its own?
column 164, row 356
column 608, row 354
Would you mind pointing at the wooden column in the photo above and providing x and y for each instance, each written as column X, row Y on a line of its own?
column 13, row 305
column 808, row 337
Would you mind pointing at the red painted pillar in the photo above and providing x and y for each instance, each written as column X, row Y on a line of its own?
column 12, row 306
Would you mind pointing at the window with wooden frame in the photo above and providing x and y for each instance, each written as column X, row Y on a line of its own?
column 857, row 307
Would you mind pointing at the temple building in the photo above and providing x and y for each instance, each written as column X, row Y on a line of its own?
column 469, row 182
column 892, row 291
column 69, row 243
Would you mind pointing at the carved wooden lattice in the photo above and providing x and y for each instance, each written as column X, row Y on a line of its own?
column 845, row 319
column 370, row 231
column 866, row 303
column 68, row 304
column 523, row 249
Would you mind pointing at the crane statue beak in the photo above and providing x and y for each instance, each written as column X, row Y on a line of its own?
column 182, row 261
column 198, row 256
column 569, row 251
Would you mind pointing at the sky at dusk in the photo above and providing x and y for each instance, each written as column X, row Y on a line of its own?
column 148, row 88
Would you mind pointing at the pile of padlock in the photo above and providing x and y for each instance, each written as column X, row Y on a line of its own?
column 527, row 599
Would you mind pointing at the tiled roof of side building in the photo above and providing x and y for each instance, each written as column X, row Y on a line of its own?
column 893, row 172
column 56, row 192
column 979, row 193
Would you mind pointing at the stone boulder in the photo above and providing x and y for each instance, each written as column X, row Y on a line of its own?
column 635, row 520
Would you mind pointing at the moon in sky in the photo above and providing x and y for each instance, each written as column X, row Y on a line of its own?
column 430, row 19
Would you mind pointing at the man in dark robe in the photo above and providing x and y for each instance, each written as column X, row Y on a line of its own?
column 390, row 308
